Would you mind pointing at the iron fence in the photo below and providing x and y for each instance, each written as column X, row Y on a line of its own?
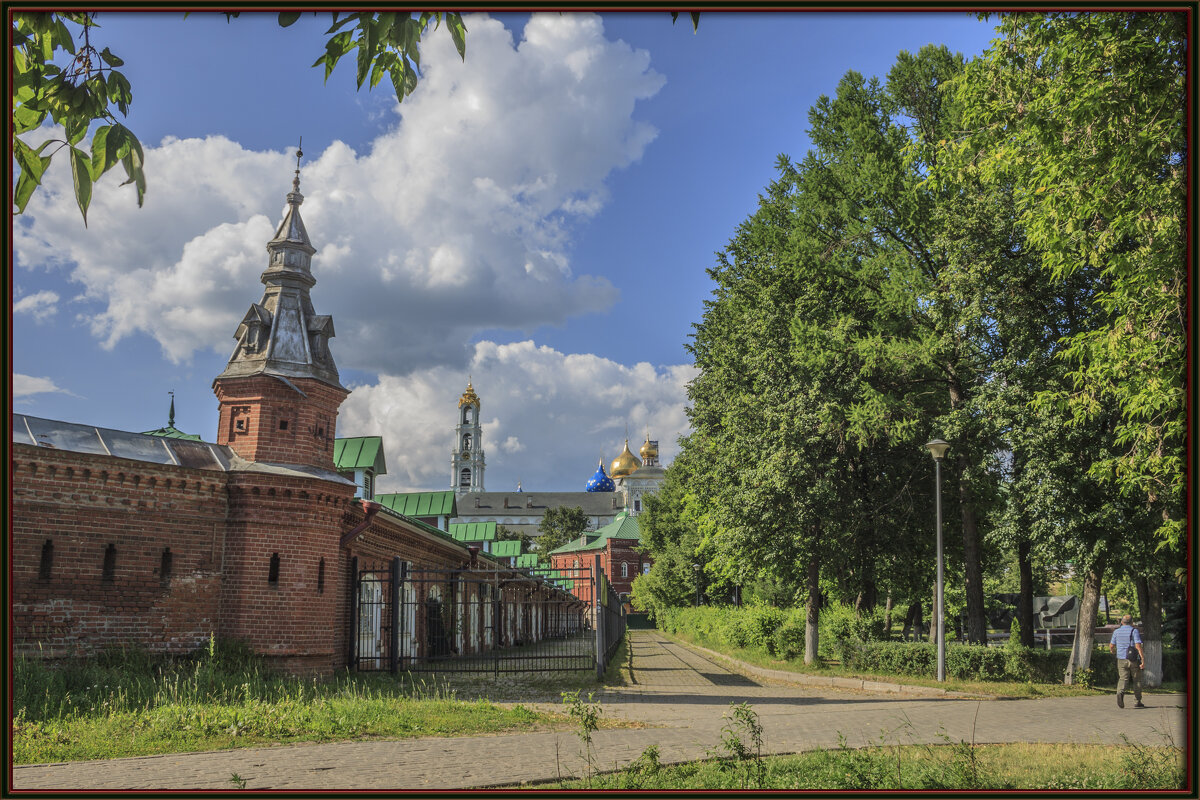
column 506, row 620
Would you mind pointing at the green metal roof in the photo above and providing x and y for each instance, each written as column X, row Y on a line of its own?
column 360, row 452
column 171, row 432
column 509, row 548
column 419, row 504
column 527, row 560
column 623, row 527
column 473, row 531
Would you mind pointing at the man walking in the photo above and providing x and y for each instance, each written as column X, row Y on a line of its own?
column 1129, row 664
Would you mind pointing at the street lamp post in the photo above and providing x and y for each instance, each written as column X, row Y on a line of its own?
column 696, row 572
column 938, row 449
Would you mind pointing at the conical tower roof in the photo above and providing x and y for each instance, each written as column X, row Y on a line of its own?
column 281, row 334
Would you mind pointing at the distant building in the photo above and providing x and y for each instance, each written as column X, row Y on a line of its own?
column 605, row 494
column 614, row 548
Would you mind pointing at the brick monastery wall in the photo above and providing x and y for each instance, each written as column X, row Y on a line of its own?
column 88, row 539
column 280, row 592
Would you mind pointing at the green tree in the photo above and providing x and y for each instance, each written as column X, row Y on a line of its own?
column 88, row 92
column 560, row 525
column 670, row 526
column 1083, row 115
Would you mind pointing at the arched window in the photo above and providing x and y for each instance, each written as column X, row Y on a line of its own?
column 468, row 414
column 624, row 570
column 466, row 443
column 464, row 479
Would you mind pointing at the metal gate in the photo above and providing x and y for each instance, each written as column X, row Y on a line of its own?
column 499, row 620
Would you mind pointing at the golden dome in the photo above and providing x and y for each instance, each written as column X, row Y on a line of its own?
column 649, row 449
column 469, row 398
column 624, row 464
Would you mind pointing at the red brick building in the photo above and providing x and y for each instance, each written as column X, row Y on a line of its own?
column 122, row 538
column 613, row 548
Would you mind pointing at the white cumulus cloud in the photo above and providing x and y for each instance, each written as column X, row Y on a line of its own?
column 565, row 411
column 455, row 221
column 28, row 385
column 40, row 305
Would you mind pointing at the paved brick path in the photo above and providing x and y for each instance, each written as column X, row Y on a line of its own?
column 679, row 693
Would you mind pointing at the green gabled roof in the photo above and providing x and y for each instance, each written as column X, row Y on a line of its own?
column 527, row 560
column 473, row 531
column 509, row 548
column 623, row 527
column 171, row 432
column 419, row 504
column 359, row 452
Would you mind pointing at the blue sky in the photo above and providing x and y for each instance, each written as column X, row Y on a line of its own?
column 539, row 218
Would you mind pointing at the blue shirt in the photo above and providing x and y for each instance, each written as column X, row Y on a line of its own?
column 1125, row 637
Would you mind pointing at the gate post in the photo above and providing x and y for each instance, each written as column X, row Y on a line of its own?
column 352, row 654
column 400, row 595
column 598, row 608
column 394, row 654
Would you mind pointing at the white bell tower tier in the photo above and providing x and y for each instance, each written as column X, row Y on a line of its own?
column 466, row 458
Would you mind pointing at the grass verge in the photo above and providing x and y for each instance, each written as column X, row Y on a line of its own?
column 952, row 766
column 127, row 703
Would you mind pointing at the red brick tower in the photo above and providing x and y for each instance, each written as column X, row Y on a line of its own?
column 284, row 571
column 280, row 393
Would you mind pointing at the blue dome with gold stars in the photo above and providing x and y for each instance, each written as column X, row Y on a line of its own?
column 600, row 482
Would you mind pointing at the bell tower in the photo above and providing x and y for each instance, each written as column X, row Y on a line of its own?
column 466, row 459
column 280, row 393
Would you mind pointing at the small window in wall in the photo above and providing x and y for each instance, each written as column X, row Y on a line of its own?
column 646, row 569
column 283, row 424
column 47, row 560
column 368, row 486
column 110, row 563
column 273, row 570
column 466, row 445
column 164, row 567
column 321, row 577
column 464, row 479
column 624, row 570
column 637, row 505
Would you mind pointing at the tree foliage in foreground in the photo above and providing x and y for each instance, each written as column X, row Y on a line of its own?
column 88, row 89
column 1083, row 116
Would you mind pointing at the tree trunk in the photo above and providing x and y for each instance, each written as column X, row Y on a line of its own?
column 1149, row 591
column 814, row 605
column 912, row 622
column 1025, row 598
column 1085, row 629
column 887, row 618
column 972, row 560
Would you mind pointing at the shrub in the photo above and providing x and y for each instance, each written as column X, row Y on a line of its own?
column 788, row 641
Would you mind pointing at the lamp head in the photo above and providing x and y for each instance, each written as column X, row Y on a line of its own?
column 938, row 448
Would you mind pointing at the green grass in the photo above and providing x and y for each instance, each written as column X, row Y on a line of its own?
column 759, row 657
column 127, row 703
column 953, row 766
